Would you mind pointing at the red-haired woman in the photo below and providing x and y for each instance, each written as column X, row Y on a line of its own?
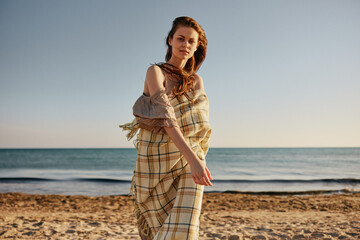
column 172, row 115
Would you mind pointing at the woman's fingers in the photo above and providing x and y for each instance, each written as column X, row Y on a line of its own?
column 207, row 181
column 207, row 177
column 203, row 180
column 208, row 173
column 203, row 176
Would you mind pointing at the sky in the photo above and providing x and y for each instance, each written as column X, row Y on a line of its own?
column 278, row 73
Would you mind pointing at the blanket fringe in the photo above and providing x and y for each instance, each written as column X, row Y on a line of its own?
column 143, row 227
column 132, row 187
column 132, row 129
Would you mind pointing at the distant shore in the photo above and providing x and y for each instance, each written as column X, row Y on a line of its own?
column 224, row 216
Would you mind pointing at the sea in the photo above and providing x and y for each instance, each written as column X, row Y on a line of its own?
column 98, row 172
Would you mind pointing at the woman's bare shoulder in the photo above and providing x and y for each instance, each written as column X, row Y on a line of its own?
column 154, row 80
column 198, row 82
column 154, row 68
column 155, row 71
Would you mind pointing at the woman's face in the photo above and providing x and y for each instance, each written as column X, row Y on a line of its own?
column 184, row 42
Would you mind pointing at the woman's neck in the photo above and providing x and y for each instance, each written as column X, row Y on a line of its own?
column 177, row 62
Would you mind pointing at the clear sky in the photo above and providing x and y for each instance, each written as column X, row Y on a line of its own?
column 278, row 73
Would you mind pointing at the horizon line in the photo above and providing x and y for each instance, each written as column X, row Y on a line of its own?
column 1, row 148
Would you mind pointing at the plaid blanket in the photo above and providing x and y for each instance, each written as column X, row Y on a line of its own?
column 167, row 200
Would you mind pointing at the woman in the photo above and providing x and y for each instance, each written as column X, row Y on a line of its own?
column 172, row 115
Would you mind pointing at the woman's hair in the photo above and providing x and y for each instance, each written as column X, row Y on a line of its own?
column 185, row 75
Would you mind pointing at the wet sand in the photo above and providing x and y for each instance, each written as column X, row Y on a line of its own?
column 224, row 216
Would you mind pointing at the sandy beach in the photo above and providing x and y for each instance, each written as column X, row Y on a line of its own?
column 224, row 216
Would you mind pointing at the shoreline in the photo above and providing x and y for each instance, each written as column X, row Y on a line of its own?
column 226, row 215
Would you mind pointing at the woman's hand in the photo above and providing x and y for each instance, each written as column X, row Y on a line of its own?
column 200, row 173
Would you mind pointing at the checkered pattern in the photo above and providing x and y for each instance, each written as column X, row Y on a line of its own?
column 167, row 199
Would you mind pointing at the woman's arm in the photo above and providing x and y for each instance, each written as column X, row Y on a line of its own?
column 201, row 174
